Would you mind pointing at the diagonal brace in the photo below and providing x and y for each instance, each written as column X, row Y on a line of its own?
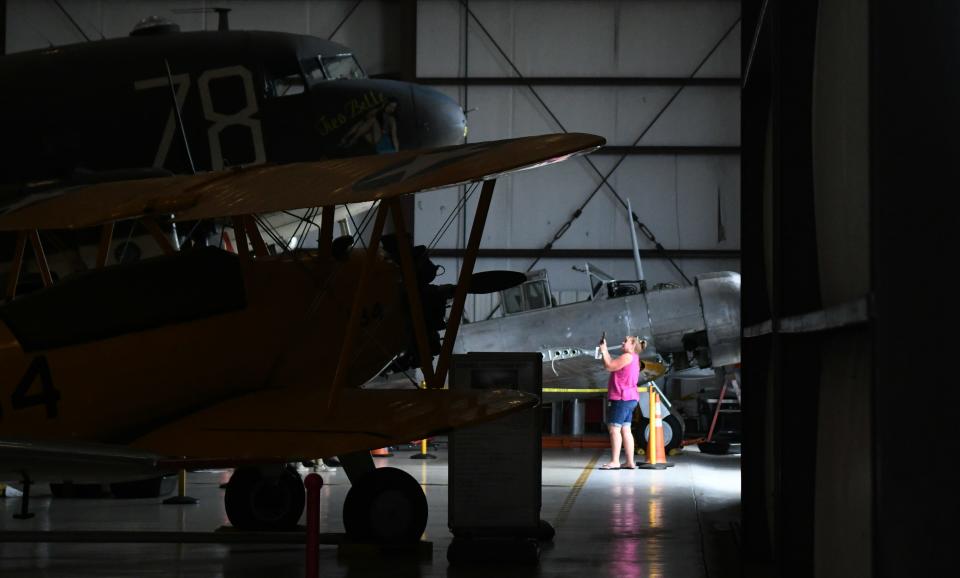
column 463, row 283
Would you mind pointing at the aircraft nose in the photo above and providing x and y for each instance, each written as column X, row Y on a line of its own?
column 440, row 119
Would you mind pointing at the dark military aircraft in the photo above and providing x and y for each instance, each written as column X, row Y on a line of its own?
column 104, row 110
column 245, row 97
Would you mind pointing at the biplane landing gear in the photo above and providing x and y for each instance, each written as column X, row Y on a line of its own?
column 386, row 505
column 261, row 499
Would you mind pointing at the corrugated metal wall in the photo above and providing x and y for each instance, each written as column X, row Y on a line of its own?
column 689, row 201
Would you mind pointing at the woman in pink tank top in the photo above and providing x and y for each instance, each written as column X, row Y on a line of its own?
column 623, row 398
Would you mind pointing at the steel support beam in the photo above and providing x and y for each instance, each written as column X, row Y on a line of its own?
column 587, row 254
column 668, row 150
column 577, row 81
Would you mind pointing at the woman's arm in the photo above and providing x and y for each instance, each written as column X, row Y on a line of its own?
column 617, row 364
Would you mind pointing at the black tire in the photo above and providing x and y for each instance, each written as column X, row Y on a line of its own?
column 385, row 506
column 255, row 501
column 672, row 433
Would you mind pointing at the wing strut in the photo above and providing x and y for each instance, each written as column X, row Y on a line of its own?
column 259, row 247
column 240, row 232
column 325, row 241
column 16, row 264
column 244, row 227
column 106, row 235
column 41, row 257
column 460, row 295
column 158, row 235
column 346, row 349
column 413, row 293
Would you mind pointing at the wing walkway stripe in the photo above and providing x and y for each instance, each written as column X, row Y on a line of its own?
column 575, row 491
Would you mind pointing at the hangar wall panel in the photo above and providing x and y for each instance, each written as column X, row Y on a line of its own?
column 579, row 38
column 689, row 201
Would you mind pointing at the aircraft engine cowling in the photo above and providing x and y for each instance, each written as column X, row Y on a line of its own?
column 720, row 298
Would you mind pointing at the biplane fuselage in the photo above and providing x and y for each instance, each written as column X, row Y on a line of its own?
column 70, row 369
column 203, row 357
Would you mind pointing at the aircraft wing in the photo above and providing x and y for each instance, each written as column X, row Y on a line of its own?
column 281, row 425
column 77, row 461
column 270, row 188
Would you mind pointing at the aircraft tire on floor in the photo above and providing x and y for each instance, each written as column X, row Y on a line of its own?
column 258, row 501
column 386, row 505
column 672, row 433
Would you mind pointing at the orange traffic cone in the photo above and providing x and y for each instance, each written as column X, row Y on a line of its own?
column 656, row 453
column 381, row 453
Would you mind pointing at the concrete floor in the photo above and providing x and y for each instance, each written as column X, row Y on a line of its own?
column 628, row 523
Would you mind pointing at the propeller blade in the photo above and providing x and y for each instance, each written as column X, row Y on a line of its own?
column 493, row 281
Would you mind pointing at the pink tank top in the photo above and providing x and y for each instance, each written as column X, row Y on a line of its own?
column 623, row 383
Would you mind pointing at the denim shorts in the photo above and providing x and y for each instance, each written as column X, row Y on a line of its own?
column 620, row 412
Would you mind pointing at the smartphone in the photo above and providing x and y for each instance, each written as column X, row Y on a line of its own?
column 604, row 336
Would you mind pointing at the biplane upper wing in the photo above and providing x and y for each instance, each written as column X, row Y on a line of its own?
column 270, row 188
column 280, row 425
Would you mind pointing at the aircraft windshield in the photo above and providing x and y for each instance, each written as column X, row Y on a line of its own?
column 341, row 66
column 285, row 86
column 282, row 78
column 526, row 297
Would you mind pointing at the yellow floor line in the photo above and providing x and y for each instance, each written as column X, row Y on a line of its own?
column 575, row 490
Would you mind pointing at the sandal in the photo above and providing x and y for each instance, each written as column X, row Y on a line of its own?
column 608, row 467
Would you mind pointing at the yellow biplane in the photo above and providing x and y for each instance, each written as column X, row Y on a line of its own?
column 205, row 358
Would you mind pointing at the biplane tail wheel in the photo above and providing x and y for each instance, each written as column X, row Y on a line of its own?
column 385, row 506
column 255, row 500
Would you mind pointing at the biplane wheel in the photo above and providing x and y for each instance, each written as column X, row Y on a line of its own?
column 258, row 501
column 672, row 433
column 385, row 506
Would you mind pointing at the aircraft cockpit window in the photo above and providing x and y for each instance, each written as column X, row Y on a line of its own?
column 527, row 297
column 513, row 300
column 341, row 66
column 536, row 294
column 312, row 70
column 285, row 86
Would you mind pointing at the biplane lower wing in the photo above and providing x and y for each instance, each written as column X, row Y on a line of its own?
column 75, row 461
column 268, row 426
column 283, row 425
column 271, row 188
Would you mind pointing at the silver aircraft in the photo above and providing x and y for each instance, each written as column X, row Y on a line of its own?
column 690, row 330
